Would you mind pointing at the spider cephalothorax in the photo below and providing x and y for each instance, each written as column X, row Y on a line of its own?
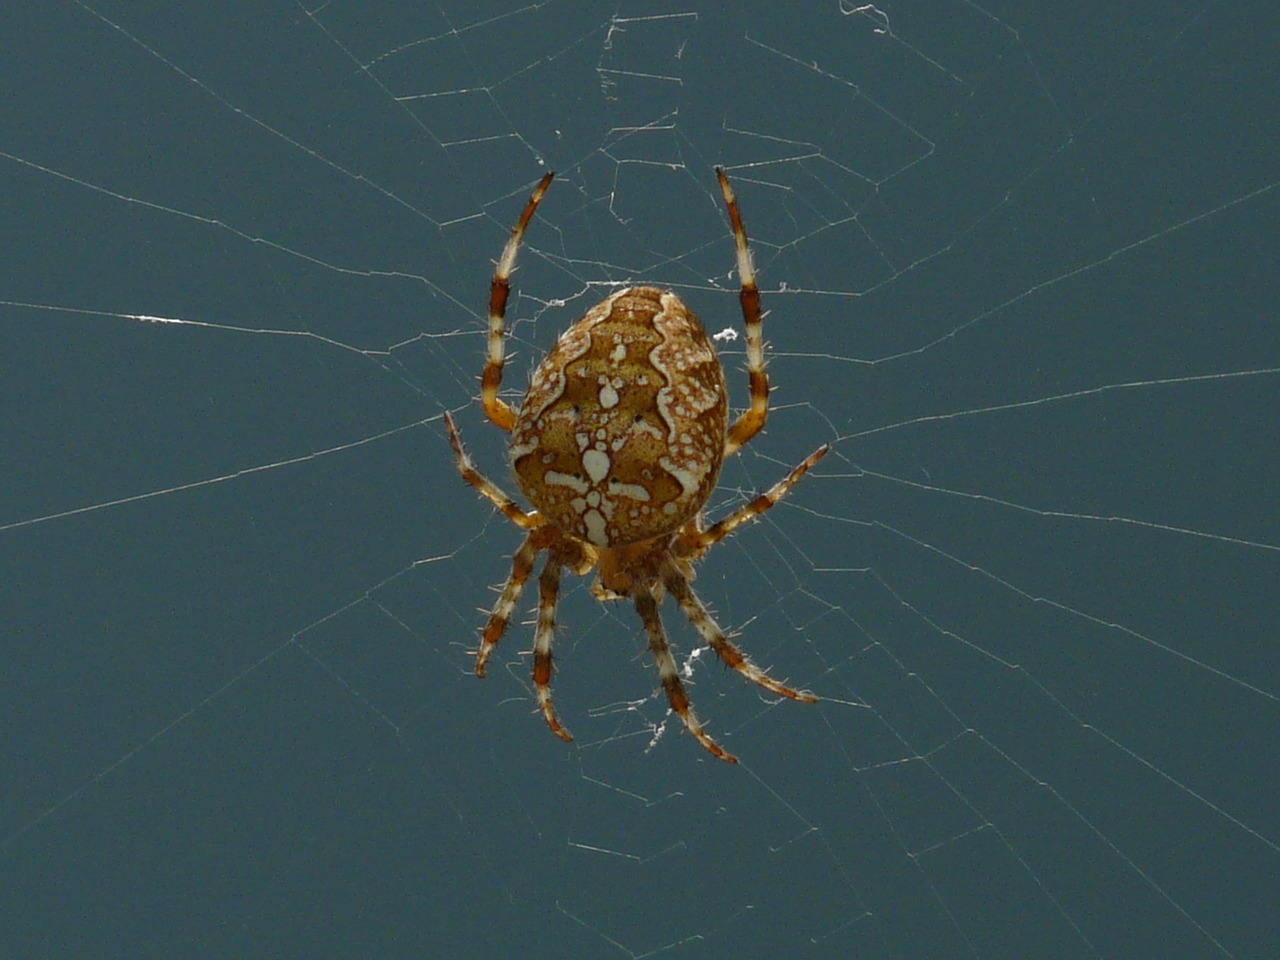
column 618, row 444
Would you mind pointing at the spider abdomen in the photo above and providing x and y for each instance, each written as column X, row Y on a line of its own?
column 621, row 434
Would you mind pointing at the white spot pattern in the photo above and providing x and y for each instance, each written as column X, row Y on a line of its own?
column 621, row 434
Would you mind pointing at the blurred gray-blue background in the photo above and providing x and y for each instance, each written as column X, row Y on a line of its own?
column 1020, row 267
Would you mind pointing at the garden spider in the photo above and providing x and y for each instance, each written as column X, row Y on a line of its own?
column 618, row 444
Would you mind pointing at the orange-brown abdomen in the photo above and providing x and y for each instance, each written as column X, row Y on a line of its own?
column 621, row 435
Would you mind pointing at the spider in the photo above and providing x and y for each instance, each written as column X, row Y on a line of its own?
column 618, row 444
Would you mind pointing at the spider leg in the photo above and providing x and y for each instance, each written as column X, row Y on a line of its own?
column 488, row 489
column 752, row 420
column 697, row 542
column 499, row 289
column 521, row 567
column 548, row 591
column 647, row 608
column 710, row 631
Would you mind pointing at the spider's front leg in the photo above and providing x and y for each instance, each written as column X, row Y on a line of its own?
column 496, row 626
column 647, row 608
column 548, row 592
column 724, row 648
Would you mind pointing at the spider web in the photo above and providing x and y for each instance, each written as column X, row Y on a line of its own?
column 1021, row 274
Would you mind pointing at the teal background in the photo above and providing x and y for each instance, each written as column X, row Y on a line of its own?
column 1020, row 263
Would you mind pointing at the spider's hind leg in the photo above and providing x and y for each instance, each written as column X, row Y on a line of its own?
column 752, row 420
column 694, row 543
column 495, row 408
column 488, row 489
